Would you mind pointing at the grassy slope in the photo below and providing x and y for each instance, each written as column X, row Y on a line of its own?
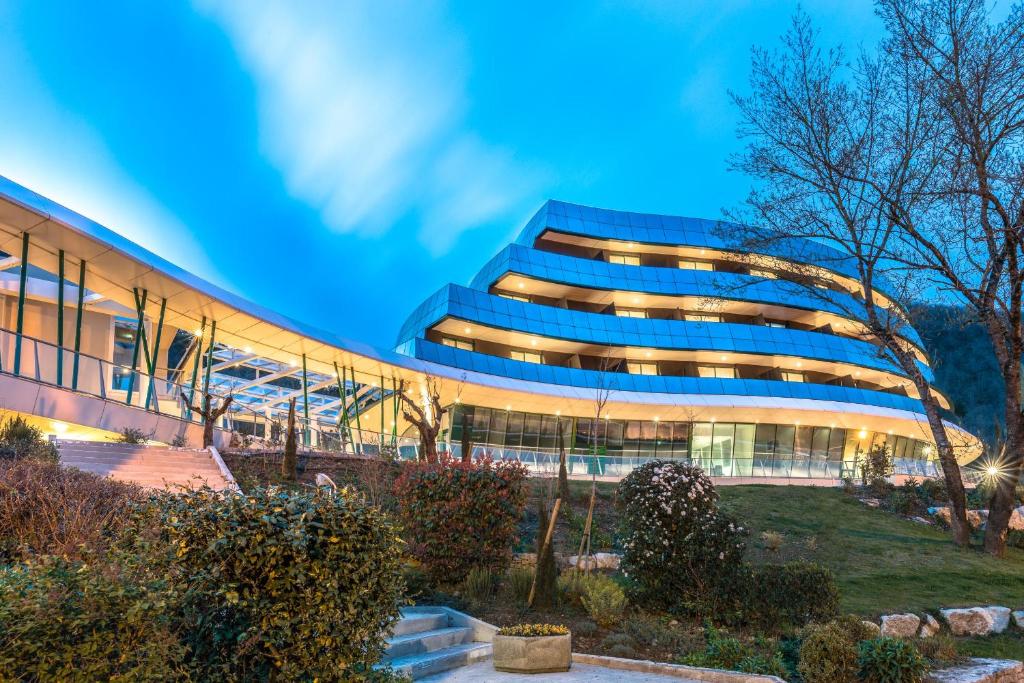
column 883, row 563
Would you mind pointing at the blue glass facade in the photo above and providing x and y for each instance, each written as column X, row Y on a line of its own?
column 549, row 308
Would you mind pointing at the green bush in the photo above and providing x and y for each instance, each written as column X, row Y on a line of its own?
column 654, row 630
column 478, row 585
column 828, row 653
column 570, row 586
column 603, row 599
column 890, row 660
column 940, row 649
column 67, row 621
column 20, row 440
column 723, row 651
column 46, row 509
column 791, row 594
column 133, row 435
column 517, row 583
column 277, row 584
column 680, row 552
column 462, row 515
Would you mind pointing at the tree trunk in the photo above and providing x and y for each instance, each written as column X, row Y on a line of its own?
column 1001, row 504
column 563, row 472
column 467, row 444
column 290, row 462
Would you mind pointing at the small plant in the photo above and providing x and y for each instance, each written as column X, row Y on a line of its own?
column 828, row 653
column 772, row 541
column 619, row 645
column 180, row 441
column 133, row 435
column 570, row 586
column 517, row 584
column 478, row 585
column 890, row 660
column 723, row 651
column 660, row 631
column 940, row 649
column 876, row 468
column 849, row 487
column 533, row 630
column 21, row 440
column 604, row 600
column 586, row 628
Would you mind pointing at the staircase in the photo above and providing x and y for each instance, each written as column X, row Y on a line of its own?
column 429, row 640
column 157, row 467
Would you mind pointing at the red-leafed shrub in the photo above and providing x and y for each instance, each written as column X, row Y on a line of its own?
column 462, row 515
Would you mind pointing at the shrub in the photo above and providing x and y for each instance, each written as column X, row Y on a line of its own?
column 940, row 649
column 603, row 599
column 828, row 653
column 570, row 586
column 679, row 551
column 661, row 631
column 19, row 440
column 279, row 584
column 876, row 467
column 585, row 628
column 723, row 651
column 462, row 515
column 67, row 621
column 133, row 435
column 517, row 583
column 772, row 540
column 478, row 585
column 793, row 594
column 890, row 660
column 53, row 510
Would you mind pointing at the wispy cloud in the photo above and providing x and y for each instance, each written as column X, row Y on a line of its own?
column 363, row 109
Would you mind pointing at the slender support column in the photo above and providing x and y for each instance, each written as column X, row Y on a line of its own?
column 152, row 393
column 305, row 401
column 355, row 395
column 60, row 318
column 22, row 282
column 195, row 370
column 394, row 416
column 140, row 331
column 78, row 325
column 342, row 394
column 381, row 406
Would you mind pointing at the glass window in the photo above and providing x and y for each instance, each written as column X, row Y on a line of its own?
column 743, row 452
column 499, row 428
column 836, row 439
column 703, row 317
column 548, row 432
column 526, row 356
column 457, row 343
column 717, row 371
column 637, row 368
column 792, row 376
column 481, row 423
column 689, row 264
column 630, row 312
column 776, row 323
column 531, row 430
column 514, row 297
column 819, row 442
column 514, row 433
column 766, row 274
column 701, row 441
column 721, row 449
column 681, row 439
column 624, row 259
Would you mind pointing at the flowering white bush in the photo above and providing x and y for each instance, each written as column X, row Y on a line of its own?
column 679, row 550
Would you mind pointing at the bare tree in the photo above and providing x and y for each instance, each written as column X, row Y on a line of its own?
column 602, row 392
column 210, row 415
column 830, row 143
column 965, row 237
column 290, row 461
column 426, row 418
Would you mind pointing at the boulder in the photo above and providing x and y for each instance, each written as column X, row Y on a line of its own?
column 929, row 626
column 1018, row 618
column 1017, row 518
column 583, row 563
column 595, row 561
column 977, row 621
column 525, row 559
column 873, row 627
column 900, row 625
column 974, row 517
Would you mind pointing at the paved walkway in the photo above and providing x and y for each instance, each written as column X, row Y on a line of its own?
column 579, row 673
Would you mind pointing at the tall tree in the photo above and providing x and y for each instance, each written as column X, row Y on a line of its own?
column 826, row 141
column 965, row 236
column 210, row 414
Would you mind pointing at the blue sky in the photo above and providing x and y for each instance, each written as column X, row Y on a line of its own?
column 341, row 161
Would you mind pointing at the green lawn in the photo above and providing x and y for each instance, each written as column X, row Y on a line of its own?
column 883, row 563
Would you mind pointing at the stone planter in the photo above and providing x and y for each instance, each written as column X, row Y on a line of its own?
column 533, row 655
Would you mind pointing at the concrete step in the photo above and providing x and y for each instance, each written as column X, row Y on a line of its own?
column 150, row 466
column 428, row 663
column 428, row 641
column 135, row 459
column 419, row 622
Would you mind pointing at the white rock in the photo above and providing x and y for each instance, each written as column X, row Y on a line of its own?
column 977, row 621
column 929, row 627
column 1000, row 617
column 1017, row 518
column 583, row 563
column 900, row 625
column 607, row 560
column 974, row 517
column 1018, row 618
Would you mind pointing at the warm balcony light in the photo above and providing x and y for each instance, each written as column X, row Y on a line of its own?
column 467, row 330
column 657, row 419
column 458, row 400
column 197, row 333
column 292, row 362
column 799, row 364
column 863, row 434
column 248, row 349
column 558, row 413
column 647, row 354
column 522, row 285
column 725, row 357
column 857, row 374
column 533, row 342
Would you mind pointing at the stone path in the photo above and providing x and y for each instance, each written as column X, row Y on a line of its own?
column 579, row 673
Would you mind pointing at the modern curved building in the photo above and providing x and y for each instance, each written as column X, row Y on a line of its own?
column 735, row 365
column 692, row 348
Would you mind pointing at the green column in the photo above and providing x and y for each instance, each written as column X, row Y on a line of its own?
column 381, row 406
column 151, row 394
column 394, row 416
column 22, row 281
column 355, row 394
column 140, row 330
column 342, row 394
column 195, row 370
column 305, row 402
column 60, row 318
column 78, row 324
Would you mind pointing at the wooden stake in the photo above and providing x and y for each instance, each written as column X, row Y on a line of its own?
column 584, row 540
column 544, row 549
